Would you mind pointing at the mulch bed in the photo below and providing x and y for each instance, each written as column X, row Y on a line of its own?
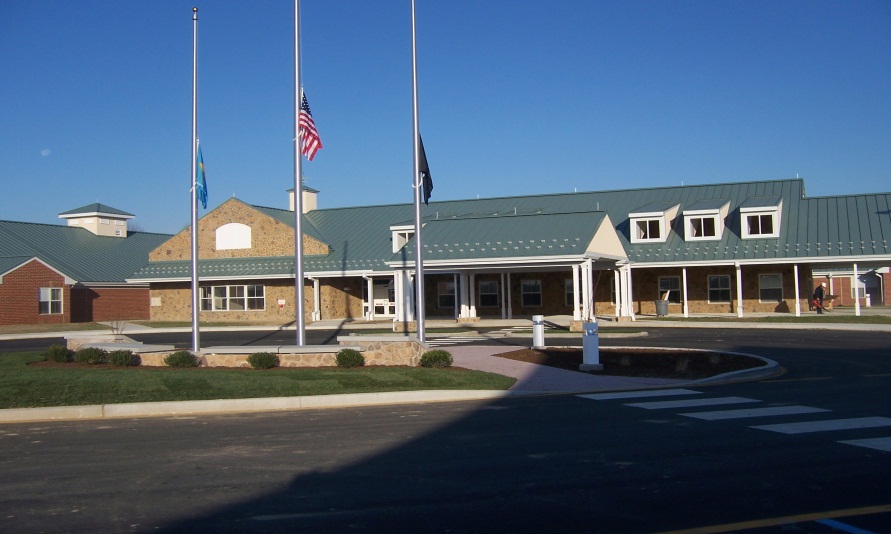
column 642, row 363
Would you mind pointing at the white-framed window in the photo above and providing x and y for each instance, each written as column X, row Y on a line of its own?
column 118, row 222
column 445, row 295
column 234, row 298
column 647, row 230
column 704, row 227
column 770, row 287
column 531, row 293
column 50, row 301
column 488, row 294
column 672, row 285
column 401, row 235
column 760, row 217
column 719, row 288
column 104, row 221
column 760, row 225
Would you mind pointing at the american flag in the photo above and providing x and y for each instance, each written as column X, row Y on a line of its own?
column 310, row 143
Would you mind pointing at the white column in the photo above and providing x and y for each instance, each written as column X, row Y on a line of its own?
column 855, row 282
column 317, row 299
column 739, row 293
column 503, row 298
column 797, row 291
column 408, row 293
column 589, row 283
column 618, row 286
column 684, row 287
column 576, row 314
column 465, row 307
column 455, row 289
column 400, row 301
column 370, row 315
column 586, row 313
column 472, row 294
column 510, row 304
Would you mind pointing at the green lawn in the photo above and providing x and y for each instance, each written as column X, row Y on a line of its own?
column 24, row 386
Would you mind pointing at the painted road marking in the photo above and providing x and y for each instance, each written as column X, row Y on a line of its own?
column 880, row 444
column 753, row 412
column 640, row 394
column 689, row 403
column 787, row 520
column 831, row 424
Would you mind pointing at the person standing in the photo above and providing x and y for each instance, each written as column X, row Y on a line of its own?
column 819, row 295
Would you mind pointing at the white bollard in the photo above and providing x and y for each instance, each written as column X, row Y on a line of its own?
column 538, row 332
column 590, row 348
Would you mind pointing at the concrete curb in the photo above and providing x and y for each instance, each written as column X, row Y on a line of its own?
column 231, row 406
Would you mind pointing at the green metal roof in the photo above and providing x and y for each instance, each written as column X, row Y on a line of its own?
column 524, row 235
column 96, row 208
column 77, row 252
column 817, row 229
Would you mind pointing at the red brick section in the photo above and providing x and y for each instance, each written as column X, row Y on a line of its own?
column 109, row 304
column 19, row 295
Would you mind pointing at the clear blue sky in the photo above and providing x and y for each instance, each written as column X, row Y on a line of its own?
column 517, row 97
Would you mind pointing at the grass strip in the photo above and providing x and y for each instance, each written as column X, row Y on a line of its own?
column 24, row 386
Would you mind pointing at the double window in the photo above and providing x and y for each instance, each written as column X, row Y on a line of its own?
column 671, row 285
column 50, row 301
column 719, row 289
column 488, row 294
column 647, row 230
column 233, row 298
column 531, row 293
column 702, row 228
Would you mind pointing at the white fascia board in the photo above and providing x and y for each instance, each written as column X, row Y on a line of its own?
column 860, row 260
column 95, row 214
column 307, row 274
column 569, row 260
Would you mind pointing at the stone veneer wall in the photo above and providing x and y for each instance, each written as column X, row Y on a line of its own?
column 377, row 350
column 269, row 237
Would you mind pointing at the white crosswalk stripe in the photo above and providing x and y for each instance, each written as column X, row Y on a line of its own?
column 802, row 427
column 689, row 403
column 880, row 444
column 827, row 425
column 753, row 412
column 446, row 341
column 640, row 394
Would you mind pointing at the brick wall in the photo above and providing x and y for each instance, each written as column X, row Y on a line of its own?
column 19, row 295
column 109, row 304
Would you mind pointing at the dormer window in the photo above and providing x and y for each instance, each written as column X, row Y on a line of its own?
column 648, row 229
column 704, row 220
column 401, row 235
column 650, row 223
column 760, row 217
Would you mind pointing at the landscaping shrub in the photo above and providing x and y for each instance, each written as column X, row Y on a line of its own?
column 58, row 353
column 436, row 358
column 91, row 355
column 181, row 359
column 122, row 358
column 350, row 358
column 263, row 360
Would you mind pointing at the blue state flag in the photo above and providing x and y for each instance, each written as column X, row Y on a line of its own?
column 201, row 181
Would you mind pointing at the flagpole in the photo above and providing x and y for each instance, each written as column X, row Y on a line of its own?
column 298, row 190
column 196, row 336
column 417, row 186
